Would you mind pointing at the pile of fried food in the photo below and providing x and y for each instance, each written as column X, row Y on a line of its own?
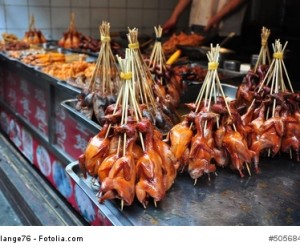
column 188, row 72
column 71, row 68
column 75, row 73
column 183, row 39
column 43, row 59
column 12, row 42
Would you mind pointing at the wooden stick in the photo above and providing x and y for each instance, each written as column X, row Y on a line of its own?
column 248, row 168
column 105, row 78
column 264, row 53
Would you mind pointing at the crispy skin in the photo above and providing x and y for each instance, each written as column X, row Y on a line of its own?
column 96, row 150
column 150, row 177
column 180, row 138
column 238, row 150
column 169, row 162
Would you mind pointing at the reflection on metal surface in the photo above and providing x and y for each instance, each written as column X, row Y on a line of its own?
column 268, row 198
column 69, row 105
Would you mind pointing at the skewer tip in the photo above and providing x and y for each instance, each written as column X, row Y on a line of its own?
column 248, row 169
column 195, row 182
column 122, row 204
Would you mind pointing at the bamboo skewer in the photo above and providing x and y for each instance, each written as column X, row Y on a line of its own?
column 264, row 54
column 278, row 83
column 31, row 23
column 275, row 73
column 127, row 93
column 276, row 76
column 106, row 77
column 142, row 77
column 211, row 88
column 157, row 56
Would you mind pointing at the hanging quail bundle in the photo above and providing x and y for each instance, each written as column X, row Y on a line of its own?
column 33, row 35
column 247, row 89
column 158, row 112
column 70, row 38
column 211, row 134
column 104, row 83
column 273, row 114
column 128, row 156
column 166, row 88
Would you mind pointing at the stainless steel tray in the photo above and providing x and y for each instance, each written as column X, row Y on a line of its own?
column 108, row 209
column 225, row 75
column 192, row 91
column 69, row 105
column 269, row 198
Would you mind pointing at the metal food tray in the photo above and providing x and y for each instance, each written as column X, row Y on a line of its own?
column 226, row 75
column 69, row 105
column 268, row 198
column 70, row 87
column 229, row 75
column 192, row 90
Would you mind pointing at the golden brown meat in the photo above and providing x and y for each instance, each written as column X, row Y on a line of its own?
column 106, row 165
column 172, row 97
column 113, row 145
column 169, row 162
column 120, row 182
column 291, row 138
column 201, row 152
column 256, row 124
column 291, row 118
column 270, row 134
column 238, row 150
column 245, row 94
column 150, row 179
column 180, row 137
column 221, row 156
column 96, row 150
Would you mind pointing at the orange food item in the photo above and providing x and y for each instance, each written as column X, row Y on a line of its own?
column 181, row 39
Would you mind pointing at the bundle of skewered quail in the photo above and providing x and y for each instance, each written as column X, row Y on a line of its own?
column 167, row 88
column 236, row 133
column 255, row 76
column 128, row 155
column 104, row 86
column 162, row 113
column 33, row 35
column 210, row 134
column 104, row 83
column 273, row 115
column 70, row 38
column 264, row 57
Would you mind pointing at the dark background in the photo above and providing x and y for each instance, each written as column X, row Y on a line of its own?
column 282, row 17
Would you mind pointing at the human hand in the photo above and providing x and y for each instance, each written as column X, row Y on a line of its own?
column 212, row 23
column 169, row 25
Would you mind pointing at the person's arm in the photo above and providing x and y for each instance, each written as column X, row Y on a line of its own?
column 179, row 8
column 227, row 9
